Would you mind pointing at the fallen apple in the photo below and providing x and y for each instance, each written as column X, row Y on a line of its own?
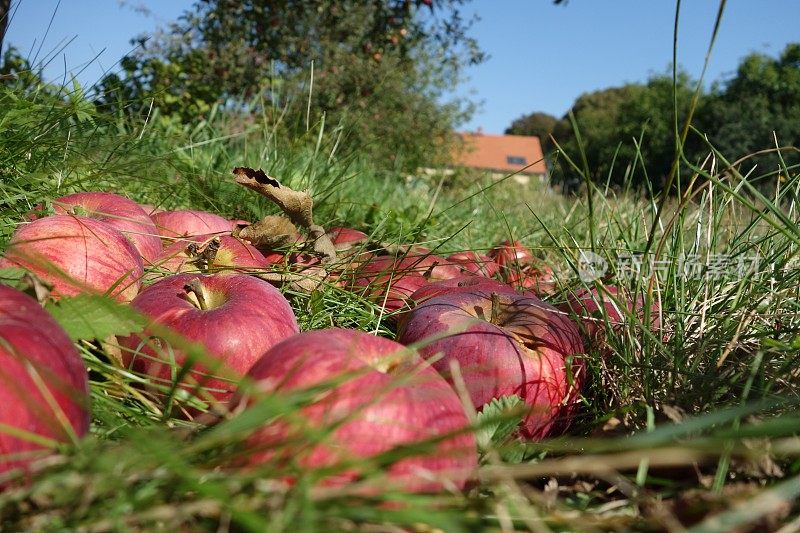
column 77, row 254
column 189, row 223
column 381, row 397
column 503, row 344
column 236, row 318
column 346, row 238
column 210, row 254
column 390, row 281
column 463, row 283
column 151, row 209
column 618, row 312
column 474, row 263
column 520, row 268
column 536, row 276
column 44, row 392
column 508, row 254
column 118, row 212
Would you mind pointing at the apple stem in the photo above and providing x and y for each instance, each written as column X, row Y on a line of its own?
column 194, row 287
column 429, row 272
column 495, row 307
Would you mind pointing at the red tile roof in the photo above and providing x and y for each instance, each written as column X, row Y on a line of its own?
column 503, row 153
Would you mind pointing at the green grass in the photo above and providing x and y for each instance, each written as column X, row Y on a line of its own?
column 706, row 417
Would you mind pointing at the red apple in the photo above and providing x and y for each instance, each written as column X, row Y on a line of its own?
column 390, row 281
column 618, row 308
column 76, row 254
column 151, row 209
column 211, row 253
column 504, row 344
column 381, row 396
column 464, row 283
column 44, row 391
column 536, row 276
column 507, row 254
column 523, row 270
column 240, row 223
column 346, row 238
column 474, row 263
column 118, row 212
column 188, row 223
column 236, row 318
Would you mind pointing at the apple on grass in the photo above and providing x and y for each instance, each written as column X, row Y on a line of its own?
column 235, row 317
column 502, row 344
column 151, row 209
column 375, row 396
column 618, row 312
column 44, row 392
column 345, row 239
column 118, row 212
column 190, row 223
column 460, row 284
column 390, row 281
column 472, row 262
column 521, row 269
column 76, row 254
column 209, row 253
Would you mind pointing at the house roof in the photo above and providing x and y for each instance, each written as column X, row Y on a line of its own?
column 504, row 153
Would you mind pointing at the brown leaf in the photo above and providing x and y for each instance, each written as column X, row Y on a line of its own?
column 297, row 205
column 273, row 231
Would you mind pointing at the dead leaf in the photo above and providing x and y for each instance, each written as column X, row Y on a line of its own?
column 273, row 231
column 297, row 205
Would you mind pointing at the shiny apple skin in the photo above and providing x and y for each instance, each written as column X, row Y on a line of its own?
column 344, row 238
column 90, row 255
column 528, row 349
column 233, row 254
column 464, row 283
column 390, row 281
column 251, row 317
column 118, row 212
column 37, row 355
column 190, row 223
column 474, row 263
column 380, row 407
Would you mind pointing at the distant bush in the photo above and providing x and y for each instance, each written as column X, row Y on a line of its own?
column 375, row 70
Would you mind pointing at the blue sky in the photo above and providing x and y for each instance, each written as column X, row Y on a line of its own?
column 542, row 56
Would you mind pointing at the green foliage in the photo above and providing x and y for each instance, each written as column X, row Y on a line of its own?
column 627, row 136
column 758, row 109
column 535, row 124
column 89, row 317
column 375, row 70
column 499, row 420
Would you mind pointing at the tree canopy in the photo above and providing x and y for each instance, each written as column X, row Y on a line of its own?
column 378, row 66
column 756, row 109
column 537, row 124
column 628, row 134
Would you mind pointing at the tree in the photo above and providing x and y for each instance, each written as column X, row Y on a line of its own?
column 761, row 100
column 597, row 115
column 379, row 67
column 627, row 134
column 537, row 124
